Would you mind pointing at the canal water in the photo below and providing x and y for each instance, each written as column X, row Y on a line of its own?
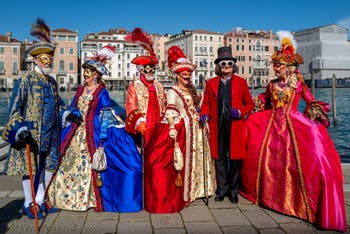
column 340, row 133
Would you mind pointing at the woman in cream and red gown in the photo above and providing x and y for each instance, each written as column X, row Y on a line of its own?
column 292, row 166
column 178, row 167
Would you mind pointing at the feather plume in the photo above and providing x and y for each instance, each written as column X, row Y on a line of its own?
column 287, row 38
column 142, row 38
column 41, row 31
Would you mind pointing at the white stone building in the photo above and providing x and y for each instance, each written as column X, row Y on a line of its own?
column 326, row 51
column 200, row 46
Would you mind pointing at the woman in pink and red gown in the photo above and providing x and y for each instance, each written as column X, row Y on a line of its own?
column 292, row 166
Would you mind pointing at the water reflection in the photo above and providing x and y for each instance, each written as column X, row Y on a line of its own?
column 340, row 133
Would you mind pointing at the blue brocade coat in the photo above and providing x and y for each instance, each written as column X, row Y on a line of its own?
column 35, row 103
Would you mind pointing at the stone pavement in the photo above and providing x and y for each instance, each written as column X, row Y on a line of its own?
column 218, row 217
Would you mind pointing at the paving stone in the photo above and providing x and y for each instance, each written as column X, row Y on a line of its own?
column 196, row 214
column 251, row 206
column 91, row 214
column 27, row 225
column 239, row 230
column 134, row 227
column 136, row 216
column 260, row 219
column 198, row 202
column 229, row 217
column 73, row 214
column 225, row 204
column 16, row 194
column 168, row 221
column 203, row 227
column 99, row 226
column 67, row 225
column 272, row 231
column 170, row 231
column 347, row 210
column 4, row 193
column 280, row 218
column 10, row 183
column 298, row 228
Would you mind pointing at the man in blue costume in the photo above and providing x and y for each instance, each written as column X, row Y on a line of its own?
column 34, row 119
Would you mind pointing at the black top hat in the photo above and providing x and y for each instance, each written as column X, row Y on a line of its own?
column 225, row 53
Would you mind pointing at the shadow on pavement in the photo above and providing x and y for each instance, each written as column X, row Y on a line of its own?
column 9, row 212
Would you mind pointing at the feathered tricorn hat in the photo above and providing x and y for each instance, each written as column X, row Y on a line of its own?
column 287, row 53
column 145, row 41
column 41, row 31
column 177, row 60
column 100, row 59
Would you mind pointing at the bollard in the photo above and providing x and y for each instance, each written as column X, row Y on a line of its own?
column 313, row 84
column 333, row 101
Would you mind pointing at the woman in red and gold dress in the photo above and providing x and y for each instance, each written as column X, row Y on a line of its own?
column 178, row 166
column 292, row 166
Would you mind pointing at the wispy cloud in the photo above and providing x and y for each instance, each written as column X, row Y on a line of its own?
column 345, row 22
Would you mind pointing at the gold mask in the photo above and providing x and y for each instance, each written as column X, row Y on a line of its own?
column 45, row 59
column 89, row 73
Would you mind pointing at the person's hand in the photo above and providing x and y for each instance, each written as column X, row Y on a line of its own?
column 172, row 133
column 141, row 128
column 25, row 137
column 74, row 117
column 204, row 118
column 235, row 113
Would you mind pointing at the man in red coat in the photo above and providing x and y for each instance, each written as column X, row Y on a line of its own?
column 227, row 102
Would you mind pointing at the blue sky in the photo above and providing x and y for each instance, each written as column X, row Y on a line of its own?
column 172, row 16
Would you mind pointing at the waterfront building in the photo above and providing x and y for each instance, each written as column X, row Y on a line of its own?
column 253, row 50
column 11, row 57
column 200, row 46
column 159, row 41
column 326, row 51
column 65, row 67
column 121, row 71
column 66, row 62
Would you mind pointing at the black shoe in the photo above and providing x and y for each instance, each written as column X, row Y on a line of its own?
column 233, row 198
column 219, row 197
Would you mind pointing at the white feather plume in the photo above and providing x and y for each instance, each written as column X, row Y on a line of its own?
column 287, row 34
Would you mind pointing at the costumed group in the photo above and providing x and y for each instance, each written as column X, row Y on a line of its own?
column 175, row 147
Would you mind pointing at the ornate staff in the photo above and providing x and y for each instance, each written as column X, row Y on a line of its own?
column 32, row 188
column 205, row 161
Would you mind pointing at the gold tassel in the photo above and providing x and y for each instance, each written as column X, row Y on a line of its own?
column 178, row 181
column 98, row 180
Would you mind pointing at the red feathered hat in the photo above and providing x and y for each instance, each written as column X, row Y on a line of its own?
column 145, row 41
column 177, row 60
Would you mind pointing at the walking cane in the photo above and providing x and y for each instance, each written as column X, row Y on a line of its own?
column 32, row 188
column 206, row 198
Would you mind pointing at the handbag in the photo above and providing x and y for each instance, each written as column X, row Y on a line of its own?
column 99, row 161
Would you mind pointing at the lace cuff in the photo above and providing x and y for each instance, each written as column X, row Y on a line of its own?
column 318, row 111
